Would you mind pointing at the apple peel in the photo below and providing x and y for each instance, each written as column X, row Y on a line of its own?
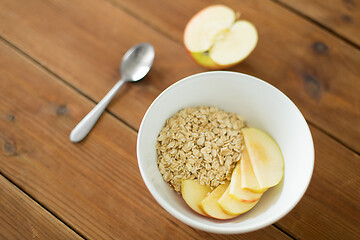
column 216, row 39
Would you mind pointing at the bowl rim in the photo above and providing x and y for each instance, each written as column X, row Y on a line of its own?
column 202, row 226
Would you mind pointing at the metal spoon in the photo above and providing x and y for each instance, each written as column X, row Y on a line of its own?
column 135, row 64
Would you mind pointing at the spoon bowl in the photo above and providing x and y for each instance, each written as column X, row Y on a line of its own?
column 137, row 62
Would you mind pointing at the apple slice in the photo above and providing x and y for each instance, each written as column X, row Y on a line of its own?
column 193, row 193
column 216, row 39
column 232, row 206
column 265, row 156
column 248, row 178
column 211, row 206
column 239, row 193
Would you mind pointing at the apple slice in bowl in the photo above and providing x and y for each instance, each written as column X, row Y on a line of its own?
column 248, row 178
column 211, row 206
column 237, row 191
column 193, row 193
column 265, row 156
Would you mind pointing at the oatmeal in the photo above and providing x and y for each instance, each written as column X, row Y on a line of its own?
column 201, row 143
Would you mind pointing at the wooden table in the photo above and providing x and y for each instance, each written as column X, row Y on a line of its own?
column 58, row 59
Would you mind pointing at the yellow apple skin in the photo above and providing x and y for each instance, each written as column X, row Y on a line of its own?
column 193, row 193
column 211, row 206
column 265, row 156
column 202, row 57
column 248, row 178
column 239, row 193
column 231, row 205
column 204, row 60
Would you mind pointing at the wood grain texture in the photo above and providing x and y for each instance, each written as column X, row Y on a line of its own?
column 22, row 218
column 330, row 208
column 83, row 42
column 94, row 186
column 315, row 69
column 340, row 16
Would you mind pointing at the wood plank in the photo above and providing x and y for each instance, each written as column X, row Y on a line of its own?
column 330, row 208
column 340, row 16
column 316, row 70
column 22, row 218
column 94, row 186
column 83, row 42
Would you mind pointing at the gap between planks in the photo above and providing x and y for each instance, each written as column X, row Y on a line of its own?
column 313, row 21
column 61, row 79
column 90, row 99
column 138, row 17
column 283, row 5
column 283, row 231
column 42, row 206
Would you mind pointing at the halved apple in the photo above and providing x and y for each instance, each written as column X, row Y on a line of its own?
column 193, row 193
column 265, row 156
column 248, row 178
column 211, row 206
column 239, row 193
column 231, row 205
column 216, row 39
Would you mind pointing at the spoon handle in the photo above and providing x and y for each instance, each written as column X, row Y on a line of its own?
column 87, row 123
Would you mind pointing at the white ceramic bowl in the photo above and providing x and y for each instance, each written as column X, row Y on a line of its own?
column 264, row 107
